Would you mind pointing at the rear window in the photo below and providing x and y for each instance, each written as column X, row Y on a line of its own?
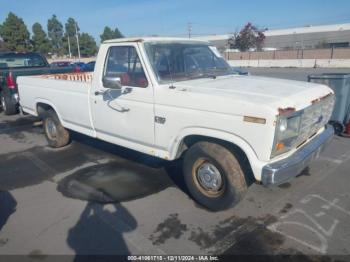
column 21, row 60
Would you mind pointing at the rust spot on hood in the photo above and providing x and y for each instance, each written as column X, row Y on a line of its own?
column 286, row 110
column 321, row 98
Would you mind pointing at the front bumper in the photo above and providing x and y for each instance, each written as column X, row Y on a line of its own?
column 284, row 170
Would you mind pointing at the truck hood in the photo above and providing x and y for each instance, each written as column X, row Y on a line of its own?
column 271, row 92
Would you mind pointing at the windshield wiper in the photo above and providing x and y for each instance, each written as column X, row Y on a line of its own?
column 210, row 75
column 203, row 75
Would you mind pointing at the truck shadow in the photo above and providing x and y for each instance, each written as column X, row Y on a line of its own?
column 23, row 122
column 130, row 175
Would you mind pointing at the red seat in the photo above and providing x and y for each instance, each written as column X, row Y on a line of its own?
column 142, row 82
column 125, row 79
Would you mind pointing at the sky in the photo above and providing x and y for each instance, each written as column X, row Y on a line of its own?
column 171, row 17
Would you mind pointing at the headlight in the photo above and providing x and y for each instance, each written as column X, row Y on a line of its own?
column 287, row 132
column 283, row 125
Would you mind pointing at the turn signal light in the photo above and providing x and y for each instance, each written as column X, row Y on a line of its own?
column 280, row 146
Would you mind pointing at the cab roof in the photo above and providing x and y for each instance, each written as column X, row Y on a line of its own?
column 154, row 39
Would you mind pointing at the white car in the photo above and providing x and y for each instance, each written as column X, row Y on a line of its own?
column 173, row 98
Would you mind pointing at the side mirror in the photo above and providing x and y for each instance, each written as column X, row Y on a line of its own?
column 112, row 82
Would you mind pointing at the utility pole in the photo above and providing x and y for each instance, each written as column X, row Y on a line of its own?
column 77, row 36
column 189, row 29
column 70, row 53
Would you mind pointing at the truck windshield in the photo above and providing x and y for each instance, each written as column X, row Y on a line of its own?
column 11, row 60
column 185, row 61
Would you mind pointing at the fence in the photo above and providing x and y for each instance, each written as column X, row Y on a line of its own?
column 329, row 53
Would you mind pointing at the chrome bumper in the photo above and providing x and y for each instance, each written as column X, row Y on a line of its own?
column 282, row 171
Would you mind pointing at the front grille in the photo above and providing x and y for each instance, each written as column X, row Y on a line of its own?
column 315, row 117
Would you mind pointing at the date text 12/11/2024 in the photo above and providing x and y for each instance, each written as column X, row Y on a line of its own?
column 173, row 258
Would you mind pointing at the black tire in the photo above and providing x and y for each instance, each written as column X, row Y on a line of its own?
column 7, row 105
column 232, row 186
column 56, row 135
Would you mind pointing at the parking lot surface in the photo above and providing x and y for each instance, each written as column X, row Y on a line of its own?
column 92, row 197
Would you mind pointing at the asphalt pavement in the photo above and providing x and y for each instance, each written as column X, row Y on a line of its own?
column 92, row 197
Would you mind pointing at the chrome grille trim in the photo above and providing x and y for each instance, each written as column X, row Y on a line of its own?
column 315, row 117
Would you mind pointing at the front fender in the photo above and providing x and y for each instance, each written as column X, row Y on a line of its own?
column 234, row 139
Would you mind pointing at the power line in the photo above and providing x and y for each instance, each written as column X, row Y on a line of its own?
column 77, row 36
column 189, row 29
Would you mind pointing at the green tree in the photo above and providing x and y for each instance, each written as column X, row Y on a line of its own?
column 108, row 33
column 88, row 45
column 70, row 36
column 40, row 41
column 249, row 37
column 117, row 33
column 70, row 27
column 55, row 32
column 15, row 34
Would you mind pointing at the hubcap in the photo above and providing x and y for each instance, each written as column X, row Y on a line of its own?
column 209, row 177
column 51, row 129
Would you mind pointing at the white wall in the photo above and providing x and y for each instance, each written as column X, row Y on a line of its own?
column 299, row 63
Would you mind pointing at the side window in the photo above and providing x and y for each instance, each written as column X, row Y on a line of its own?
column 124, row 62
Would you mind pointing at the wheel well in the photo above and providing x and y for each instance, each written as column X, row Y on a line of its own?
column 241, row 156
column 42, row 108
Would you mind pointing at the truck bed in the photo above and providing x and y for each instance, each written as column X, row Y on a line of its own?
column 67, row 94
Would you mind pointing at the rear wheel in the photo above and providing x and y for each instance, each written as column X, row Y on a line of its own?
column 56, row 135
column 214, row 176
column 8, row 106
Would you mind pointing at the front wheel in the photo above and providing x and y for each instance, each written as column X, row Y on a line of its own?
column 56, row 135
column 214, row 176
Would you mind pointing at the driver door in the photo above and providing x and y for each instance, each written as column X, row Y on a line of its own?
column 124, row 116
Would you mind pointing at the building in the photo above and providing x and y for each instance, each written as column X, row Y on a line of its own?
column 220, row 41
column 325, row 36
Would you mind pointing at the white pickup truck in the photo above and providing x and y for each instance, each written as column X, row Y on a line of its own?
column 178, row 98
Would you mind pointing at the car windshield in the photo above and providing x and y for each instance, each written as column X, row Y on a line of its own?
column 184, row 61
column 11, row 60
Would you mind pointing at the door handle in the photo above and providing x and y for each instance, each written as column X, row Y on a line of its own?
column 126, row 90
